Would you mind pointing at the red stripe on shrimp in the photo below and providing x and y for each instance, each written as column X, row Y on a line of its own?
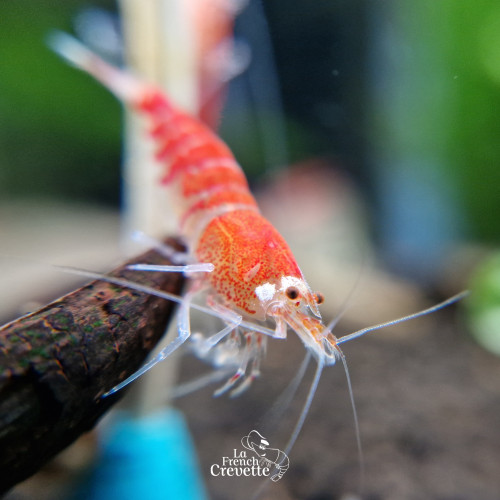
column 182, row 141
column 154, row 102
column 197, row 156
column 196, row 181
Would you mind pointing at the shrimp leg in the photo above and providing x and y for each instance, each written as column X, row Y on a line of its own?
column 240, row 372
column 259, row 352
column 203, row 345
column 253, row 351
column 198, row 383
column 184, row 331
column 201, row 267
column 247, row 382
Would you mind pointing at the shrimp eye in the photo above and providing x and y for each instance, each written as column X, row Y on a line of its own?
column 292, row 293
column 319, row 298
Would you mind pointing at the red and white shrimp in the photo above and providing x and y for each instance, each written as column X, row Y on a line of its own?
column 246, row 266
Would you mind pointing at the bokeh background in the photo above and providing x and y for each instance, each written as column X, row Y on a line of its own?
column 370, row 131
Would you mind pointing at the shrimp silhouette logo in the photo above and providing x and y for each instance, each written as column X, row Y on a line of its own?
column 268, row 462
column 272, row 459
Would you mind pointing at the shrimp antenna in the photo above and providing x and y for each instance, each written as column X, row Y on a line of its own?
column 271, row 418
column 361, row 458
column 158, row 293
column 359, row 333
column 300, row 421
column 305, row 408
column 283, row 401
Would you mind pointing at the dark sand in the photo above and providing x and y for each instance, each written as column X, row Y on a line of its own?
column 429, row 413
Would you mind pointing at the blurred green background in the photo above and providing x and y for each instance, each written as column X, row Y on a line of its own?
column 370, row 83
column 59, row 133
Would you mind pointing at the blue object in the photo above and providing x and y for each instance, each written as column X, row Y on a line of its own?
column 147, row 458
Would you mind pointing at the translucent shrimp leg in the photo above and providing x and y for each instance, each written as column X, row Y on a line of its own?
column 248, row 380
column 186, row 269
column 253, row 351
column 255, row 367
column 171, row 253
column 240, row 372
column 212, row 377
column 203, row 345
column 184, row 331
column 159, row 293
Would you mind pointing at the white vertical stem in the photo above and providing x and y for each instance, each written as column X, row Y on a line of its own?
column 159, row 46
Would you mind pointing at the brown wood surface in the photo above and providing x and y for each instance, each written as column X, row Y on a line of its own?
column 57, row 362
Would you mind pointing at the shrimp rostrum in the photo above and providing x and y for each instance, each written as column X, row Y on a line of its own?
column 245, row 266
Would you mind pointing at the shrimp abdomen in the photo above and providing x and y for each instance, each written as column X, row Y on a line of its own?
column 197, row 164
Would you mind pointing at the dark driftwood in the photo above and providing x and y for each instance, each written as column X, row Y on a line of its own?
column 57, row 362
